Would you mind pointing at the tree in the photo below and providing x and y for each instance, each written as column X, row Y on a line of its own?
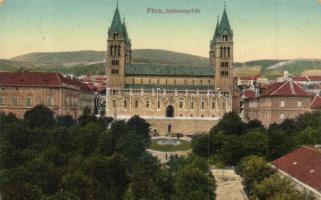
column 191, row 183
column 203, row 145
column 39, row 116
column 276, row 187
column 254, row 142
column 253, row 169
column 253, row 124
column 231, row 124
column 144, row 177
column 65, row 120
column 308, row 136
column 231, row 152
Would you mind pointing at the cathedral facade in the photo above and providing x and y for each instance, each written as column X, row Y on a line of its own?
column 172, row 98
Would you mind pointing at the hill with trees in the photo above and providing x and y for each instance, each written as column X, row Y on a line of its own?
column 92, row 62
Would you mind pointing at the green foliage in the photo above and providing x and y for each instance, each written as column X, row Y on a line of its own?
column 189, row 172
column 276, row 187
column 231, row 139
column 255, row 142
column 231, row 124
column 202, row 145
column 39, row 116
column 58, row 159
column 253, row 169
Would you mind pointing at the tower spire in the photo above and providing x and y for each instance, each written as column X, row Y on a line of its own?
column 116, row 25
column 225, row 24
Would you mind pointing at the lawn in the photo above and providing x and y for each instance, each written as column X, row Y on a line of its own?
column 184, row 146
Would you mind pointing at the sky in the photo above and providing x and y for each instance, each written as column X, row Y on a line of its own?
column 263, row 29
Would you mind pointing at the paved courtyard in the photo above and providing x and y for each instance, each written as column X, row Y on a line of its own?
column 229, row 185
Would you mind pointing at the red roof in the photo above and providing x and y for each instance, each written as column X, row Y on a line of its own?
column 300, row 78
column 314, row 78
column 35, row 79
column 248, row 94
column 251, row 78
column 316, row 103
column 307, row 78
column 286, row 88
column 303, row 164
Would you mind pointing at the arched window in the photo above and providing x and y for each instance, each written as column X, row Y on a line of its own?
column 111, row 50
column 125, row 103
column 170, row 111
column 118, row 50
column 221, row 52
column 228, row 51
column 133, row 81
column 114, row 50
column 225, row 38
column 203, row 105
column 213, row 105
column 136, row 104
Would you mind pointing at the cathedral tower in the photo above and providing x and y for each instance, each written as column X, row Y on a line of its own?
column 118, row 52
column 221, row 55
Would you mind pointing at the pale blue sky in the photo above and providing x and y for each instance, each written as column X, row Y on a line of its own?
column 263, row 29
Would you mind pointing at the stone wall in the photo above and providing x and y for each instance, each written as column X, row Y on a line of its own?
column 184, row 126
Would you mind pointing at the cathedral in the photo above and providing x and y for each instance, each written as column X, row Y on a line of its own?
column 178, row 99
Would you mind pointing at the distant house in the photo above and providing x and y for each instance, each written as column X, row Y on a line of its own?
column 308, row 80
column 277, row 102
column 95, row 82
column 303, row 168
column 247, row 81
column 21, row 91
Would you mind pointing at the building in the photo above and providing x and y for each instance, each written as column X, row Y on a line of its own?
column 180, row 99
column 95, row 82
column 303, row 168
column 21, row 91
column 247, row 81
column 277, row 102
column 308, row 80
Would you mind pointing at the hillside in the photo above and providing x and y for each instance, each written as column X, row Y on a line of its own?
column 78, row 58
column 92, row 62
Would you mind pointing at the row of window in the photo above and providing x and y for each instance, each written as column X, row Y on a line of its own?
column 115, row 62
column 167, row 81
column 225, row 52
column 114, row 50
column 115, row 71
column 254, row 104
column 224, row 64
column 282, row 104
column 28, row 101
column 180, row 104
column 15, row 101
column 224, row 73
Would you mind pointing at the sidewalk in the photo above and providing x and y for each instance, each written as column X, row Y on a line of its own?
column 229, row 185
